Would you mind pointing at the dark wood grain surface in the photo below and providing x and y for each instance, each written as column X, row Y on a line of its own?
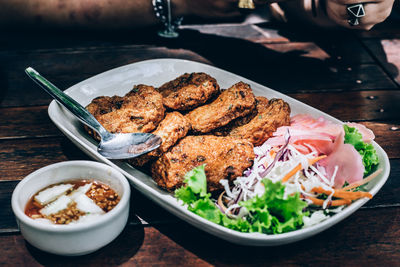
column 349, row 75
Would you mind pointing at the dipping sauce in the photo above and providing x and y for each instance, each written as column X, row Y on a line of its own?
column 73, row 201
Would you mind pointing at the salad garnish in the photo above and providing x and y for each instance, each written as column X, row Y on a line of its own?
column 269, row 213
column 305, row 173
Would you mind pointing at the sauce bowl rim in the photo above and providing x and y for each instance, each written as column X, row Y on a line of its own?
column 103, row 219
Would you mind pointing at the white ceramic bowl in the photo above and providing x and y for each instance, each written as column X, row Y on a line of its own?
column 77, row 239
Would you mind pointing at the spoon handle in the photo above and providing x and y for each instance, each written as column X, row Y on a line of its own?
column 77, row 109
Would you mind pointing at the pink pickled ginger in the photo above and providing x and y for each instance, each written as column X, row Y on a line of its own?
column 308, row 134
column 324, row 137
column 348, row 161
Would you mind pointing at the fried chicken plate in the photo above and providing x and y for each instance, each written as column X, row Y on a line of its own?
column 188, row 91
column 227, row 129
column 235, row 102
column 224, row 158
column 140, row 110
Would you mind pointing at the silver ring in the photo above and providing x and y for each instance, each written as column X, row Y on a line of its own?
column 355, row 12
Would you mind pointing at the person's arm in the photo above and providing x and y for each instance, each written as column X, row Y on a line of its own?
column 76, row 13
column 104, row 14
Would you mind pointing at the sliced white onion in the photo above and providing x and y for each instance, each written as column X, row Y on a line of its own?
column 85, row 204
column 81, row 190
column 51, row 193
column 56, row 206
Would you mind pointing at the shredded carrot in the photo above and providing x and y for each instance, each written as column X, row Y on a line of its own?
column 332, row 203
column 363, row 181
column 299, row 167
column 340, row 193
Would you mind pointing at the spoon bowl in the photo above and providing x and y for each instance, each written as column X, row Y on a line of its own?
column 111, row 146
column 124, row 146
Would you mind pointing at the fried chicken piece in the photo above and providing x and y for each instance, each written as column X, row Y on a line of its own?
column 235, row 102
column 188, row 91
column 172, row 128
column 140, row 110
column 225, row 158
column 225, row 130
column 270, row 115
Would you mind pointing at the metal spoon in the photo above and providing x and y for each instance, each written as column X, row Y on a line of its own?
column 111, row 146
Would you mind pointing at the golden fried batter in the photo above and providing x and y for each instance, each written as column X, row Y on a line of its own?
column 172, row 128
column 225, row 158
column 225, row 130
column 140, row 110
column 235, row 102
column 270, row 115
column 188, row 91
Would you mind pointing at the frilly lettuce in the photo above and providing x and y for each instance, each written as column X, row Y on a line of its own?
column 196, row 186
column 367, row 151
column 270, row 213
column 195, row 195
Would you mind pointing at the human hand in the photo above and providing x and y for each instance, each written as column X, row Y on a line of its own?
column 375, row 12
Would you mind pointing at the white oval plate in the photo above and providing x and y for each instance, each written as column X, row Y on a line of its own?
column 155, row 72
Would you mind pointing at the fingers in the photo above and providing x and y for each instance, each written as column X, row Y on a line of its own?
column 375, row 12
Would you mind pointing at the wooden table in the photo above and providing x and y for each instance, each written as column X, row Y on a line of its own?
column 352, row 76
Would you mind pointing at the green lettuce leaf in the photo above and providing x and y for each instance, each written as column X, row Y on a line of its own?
column 196, row 186
column 186, row 194
column 194, row 193
column 367, row 151
column 205, row 208
column 271, row 213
